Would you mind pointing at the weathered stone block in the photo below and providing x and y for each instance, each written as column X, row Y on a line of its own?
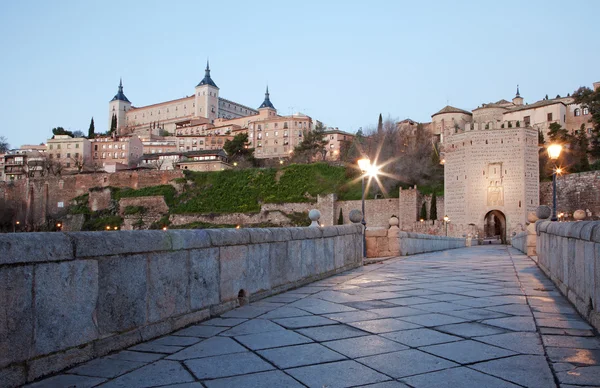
column 279, row 263
column 258, row 268
column 587, row 229
column 204, row 278
column 43, row 366
column 308, row 258
column 280, row 234
column 225, row 237
column 596, row 233
column 16, row 314
column 259, row 235
column 168, row 291
column 97, row 244
column 189, row 239
column 121, row 293
column 34, row 247
column 312, row 233
column 325, row 261
column 376, row 232
column 329, row 231
column 13, row 376
column 234, row 267
column 294, row 260
column 340, row 251
column 116, row 341
column 188, row 319
column 65, row 301
column 297, row 233
column 156, row 329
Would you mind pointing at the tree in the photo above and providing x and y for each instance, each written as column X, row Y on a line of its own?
column 92, row 130
column 423, row 214
column 313, row 144
column 380, row 124
column 433, row 208
column 558, row 134
column 541, row 139
column 341, row 218
column 590, row 99
column 238, row 148
column 4, row 146
column 579, row 149
column 61, row 131
column 79, row 163
column 113, row 123
column 78, row 134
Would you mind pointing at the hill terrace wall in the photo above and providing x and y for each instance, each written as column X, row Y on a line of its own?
column 70, row 297
column 574, row 191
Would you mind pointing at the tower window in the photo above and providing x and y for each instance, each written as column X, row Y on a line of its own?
column 577, row 112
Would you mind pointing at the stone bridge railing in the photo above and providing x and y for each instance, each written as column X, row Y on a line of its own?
column 70, row 297
column 569, row 253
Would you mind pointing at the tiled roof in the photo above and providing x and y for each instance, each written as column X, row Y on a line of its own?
column 120, row 96
column 267, row 102
column 207, row 80
column 451, row 109
column 537, row 104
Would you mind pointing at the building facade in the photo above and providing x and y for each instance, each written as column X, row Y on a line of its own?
column 73, row 153
column 112, row 154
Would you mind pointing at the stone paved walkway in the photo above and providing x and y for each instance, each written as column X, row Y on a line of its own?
column 475, row 317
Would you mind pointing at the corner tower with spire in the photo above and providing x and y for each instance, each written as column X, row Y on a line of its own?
column 518, row 100
column 118, row 107
column 266, row 108
column 207, row 97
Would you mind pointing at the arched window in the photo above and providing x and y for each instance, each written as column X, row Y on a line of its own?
column 577, row 112
column 586, row 111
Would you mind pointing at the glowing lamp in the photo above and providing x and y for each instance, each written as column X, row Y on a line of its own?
column 554, row 151
column 364, row 164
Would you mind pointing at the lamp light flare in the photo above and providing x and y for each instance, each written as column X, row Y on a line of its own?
column 554, row 151
column 364, row 164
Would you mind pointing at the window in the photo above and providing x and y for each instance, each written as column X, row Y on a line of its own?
column 76, row 154
column 276, row 133
column 549, row 116
column 50, row 146
column 68, row 164
column 68, row 155
column 586, row 111
column 577, row 112
column 589, row 131
column 527, row 120
column 77, row 145
column 58, row 146
column 69, row 145
column 95, row 155
column 103, row 155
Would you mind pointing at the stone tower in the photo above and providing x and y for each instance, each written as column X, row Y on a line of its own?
column 207, row 97
column 266, row 108
column 119, row 106
column 518, row 100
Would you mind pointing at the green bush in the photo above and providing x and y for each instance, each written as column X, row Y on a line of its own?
column 167, row 191
column 129, row 210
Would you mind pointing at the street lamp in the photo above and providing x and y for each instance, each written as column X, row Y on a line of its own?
column 367, row 169
column 554, row 152
column 446, row 220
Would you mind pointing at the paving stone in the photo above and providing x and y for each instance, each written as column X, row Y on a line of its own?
column 574, row 356
column 136, row 356
column 251, row 327
column 364, row 346
column 470, row 329
column 387, row 384
column 183, row 385
column 307, row 321
column 420, row 292
column 440, row 307
column 272, row 340
column 430, row 320
column 556, row 323
column 162, row 372
column 584, row 375
column 478, row 302
column 411, row 300
column 172, row 340
column 513, row 323
column 329, row 333
column 571, row 342
column 67, row 381
column 401, row 311
column 318, row 306
column 339, row 374
column 211, row 347
column 420, row 337
column 447, row 297
column 468, row 351
column 224, row 322
column 257, row 380
column 249, row 312
column 405, row 363
column 520, row 342
column 456, row 377
column 227, row 365
column 201, row 331
column 384, row 325
column 155, row 348
column 573, row 332
column 285, row 312
column 300, row 355
column 371, row 304
column 476, row 314
column 352, row 316
column 530, row 371
column 106, row 367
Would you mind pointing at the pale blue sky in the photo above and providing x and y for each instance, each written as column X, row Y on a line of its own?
column 342, row 62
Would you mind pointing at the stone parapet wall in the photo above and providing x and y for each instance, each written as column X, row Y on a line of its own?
column 519, row 242
column 70, row 297
column 569, row 253
column 413, row 243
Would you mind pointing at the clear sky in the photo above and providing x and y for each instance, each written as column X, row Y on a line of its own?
column 341, row 62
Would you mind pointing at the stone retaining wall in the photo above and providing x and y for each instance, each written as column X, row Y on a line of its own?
column 413, row 243
column 70, row 297
column 569, row 253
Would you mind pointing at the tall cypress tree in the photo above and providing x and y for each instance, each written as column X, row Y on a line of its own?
column 113, row 123
column 341, row 218
column 423, row 214
column 91, row 130
column 433, row 209
column 380, row 124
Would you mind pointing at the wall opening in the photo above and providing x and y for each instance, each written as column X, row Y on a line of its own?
column 495, row 227
column 243, row 298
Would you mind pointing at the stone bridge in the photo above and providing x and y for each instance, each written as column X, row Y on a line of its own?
column 483, row 316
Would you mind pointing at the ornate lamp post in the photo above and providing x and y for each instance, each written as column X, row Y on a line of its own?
column 554, row 152
column 446, row 220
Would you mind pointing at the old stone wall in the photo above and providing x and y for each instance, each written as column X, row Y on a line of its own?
column 70, row 297
column 519, row 241
column 569, row 253
column 377, row 211
column 574, row 191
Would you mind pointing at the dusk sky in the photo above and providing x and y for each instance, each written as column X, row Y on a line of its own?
column 341, row 62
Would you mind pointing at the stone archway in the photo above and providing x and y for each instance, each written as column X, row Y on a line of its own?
column 494, row 226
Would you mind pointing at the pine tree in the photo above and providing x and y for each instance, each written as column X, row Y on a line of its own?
column 91, row 130
column 341, row 218
column 423, row 214
column 433, row 208
column 558, row 134
column 113, row 123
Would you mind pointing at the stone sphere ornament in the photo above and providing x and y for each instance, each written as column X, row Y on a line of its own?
column 579, row 215
column 314, row 216
column 532, row 217
column 543, row 212
column 355, row 216
column 394, row 221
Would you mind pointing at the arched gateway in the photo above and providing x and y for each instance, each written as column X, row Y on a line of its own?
column 495, row 226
